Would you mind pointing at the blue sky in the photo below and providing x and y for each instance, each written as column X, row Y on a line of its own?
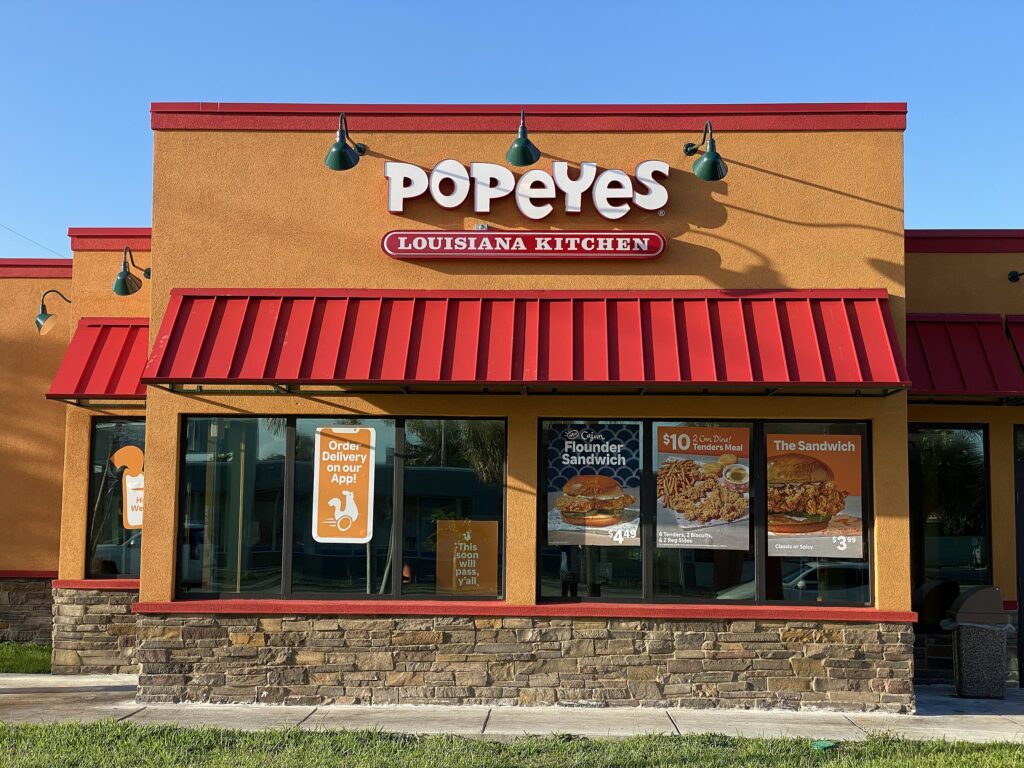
column 78, row 77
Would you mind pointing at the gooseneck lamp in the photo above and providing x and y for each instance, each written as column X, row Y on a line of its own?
column 44, row 320
column 523, row 152
column 710, row 166
column 344, row 153
column 125, row 284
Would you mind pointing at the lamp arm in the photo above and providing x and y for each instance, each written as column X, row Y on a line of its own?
column 359, row 147
column 709, row 133
column 47, row 292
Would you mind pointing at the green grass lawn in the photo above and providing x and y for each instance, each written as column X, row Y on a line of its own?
column 122, row 745
column 25, row 657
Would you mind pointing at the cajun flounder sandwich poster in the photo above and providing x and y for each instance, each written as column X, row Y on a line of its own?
column 593, row 483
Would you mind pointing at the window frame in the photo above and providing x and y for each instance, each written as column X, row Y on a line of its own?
column 917, row 564
column 758, row 511
column 288, row 514
column 93, row 421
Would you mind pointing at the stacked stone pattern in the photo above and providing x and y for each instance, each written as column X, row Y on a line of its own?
column 26, row 611
column 526, row 661
column 93, row 631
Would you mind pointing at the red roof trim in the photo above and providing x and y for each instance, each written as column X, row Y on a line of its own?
column 110, row 238
column 212, row 116
column 59, row 269
column 964, row 241
column 104, row 360
column 707, row 293
column 954, row 355
column 779, row 612
column 107, row 585
column 28, row 574
column 661, row 339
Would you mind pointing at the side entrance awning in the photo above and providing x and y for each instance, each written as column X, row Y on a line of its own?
column 104, row 361
column 968, row 357
column 756, row 342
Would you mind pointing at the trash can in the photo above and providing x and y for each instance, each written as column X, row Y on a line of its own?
column 980, row 626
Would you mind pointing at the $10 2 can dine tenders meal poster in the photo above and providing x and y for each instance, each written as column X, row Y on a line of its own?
column 343, row 485
column 703, row 486
column 593, row 484
column 814, row 496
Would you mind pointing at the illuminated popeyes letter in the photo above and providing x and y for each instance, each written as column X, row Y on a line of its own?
column 133, row 485
column 343, row 485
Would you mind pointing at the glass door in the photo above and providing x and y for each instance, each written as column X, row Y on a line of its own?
column 1018, row 464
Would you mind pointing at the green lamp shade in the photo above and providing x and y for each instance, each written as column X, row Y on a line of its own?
column 125, row 284
column 523, row 151
column 710, row 166
column 44, row 322
column 341, row 157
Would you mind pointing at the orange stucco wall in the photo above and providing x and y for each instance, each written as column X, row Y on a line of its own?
column 91, row 290
column 964, row 282
column 800, row 210
column 31, row 427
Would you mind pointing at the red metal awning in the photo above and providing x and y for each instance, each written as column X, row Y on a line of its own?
column 962, row 355
column 661, row 339
column 104, row 360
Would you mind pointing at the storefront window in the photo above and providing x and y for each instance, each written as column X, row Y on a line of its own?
column 704, row 537
column 114, row 537
column 949, row 509
column 454, row 487
column 232, row 504
column 692, row 511
column 326, row 568
column 300, row 507
column 590, row 509
column 817, row 507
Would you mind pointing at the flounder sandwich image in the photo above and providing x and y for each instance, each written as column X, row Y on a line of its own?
column 593, row 500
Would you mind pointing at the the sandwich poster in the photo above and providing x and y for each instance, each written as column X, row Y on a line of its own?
column 814, row 496
column 703, row 486
column 593, row 484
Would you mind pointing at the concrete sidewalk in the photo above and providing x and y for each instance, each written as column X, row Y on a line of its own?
column 45, row 698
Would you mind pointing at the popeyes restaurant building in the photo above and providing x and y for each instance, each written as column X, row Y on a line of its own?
column 575, row 422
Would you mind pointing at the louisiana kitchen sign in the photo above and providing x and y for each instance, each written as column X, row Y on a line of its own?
column 457, row 244
column 612, row 193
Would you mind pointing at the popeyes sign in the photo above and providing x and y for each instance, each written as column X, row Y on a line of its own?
column 537, row 193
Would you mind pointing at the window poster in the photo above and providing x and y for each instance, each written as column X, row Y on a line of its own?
column 133, row 484
column 343, row 485
column 593, row 483
column 467, row 557
column 703, row 486
column 814, row 496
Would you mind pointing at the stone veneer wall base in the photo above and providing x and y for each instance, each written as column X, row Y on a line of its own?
column 93, row 631
column 26, row 610
column 307, row 660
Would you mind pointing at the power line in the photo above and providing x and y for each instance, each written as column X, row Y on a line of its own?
column 26, row 237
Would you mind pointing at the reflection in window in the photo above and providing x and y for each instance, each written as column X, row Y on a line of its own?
column 232, row 505
column 949, row 503
column 343, row 569
column 453, row 498
column 113, row 551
